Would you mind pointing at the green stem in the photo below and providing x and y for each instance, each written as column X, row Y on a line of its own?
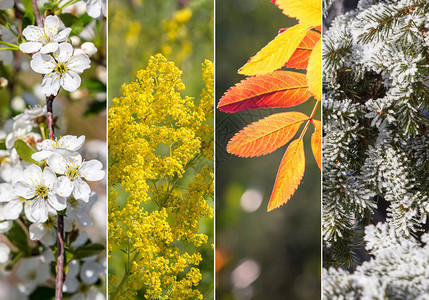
column 11, row 30
column 126, row 275
column 12, row 49
column 9, row 44
column 68, row 3
column 209, row 290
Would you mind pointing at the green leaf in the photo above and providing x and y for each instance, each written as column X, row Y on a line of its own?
column 3, row 144
column 94, row 85
column 94, row 108
column 17, row 236
column 43, row 292
column 89, row 250
column 72, row 21
column 25, row 151
column 28, row 20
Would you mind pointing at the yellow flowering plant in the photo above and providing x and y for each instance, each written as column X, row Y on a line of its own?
column 160, row 183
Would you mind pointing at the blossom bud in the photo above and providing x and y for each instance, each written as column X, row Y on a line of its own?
column 89, row 48
column 3, row 82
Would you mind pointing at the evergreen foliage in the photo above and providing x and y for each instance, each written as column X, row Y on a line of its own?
column 376, row 147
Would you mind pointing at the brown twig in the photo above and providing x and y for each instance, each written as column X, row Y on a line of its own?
column 36, row 12
column 60, row 218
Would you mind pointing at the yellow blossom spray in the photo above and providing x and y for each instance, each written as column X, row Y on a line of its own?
column 160, row 183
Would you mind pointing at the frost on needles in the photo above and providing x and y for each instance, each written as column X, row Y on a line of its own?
column 376, row 143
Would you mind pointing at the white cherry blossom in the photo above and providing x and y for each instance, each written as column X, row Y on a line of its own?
column 73, row 171
column 37, row 187
column 30, row 115
column 21, row 131
column 44, row 39
column 65, row 145
column 79, row 209
column 61, row 70
column 46, row 232
column 32, row 271
column 95, row 8
column 4, row 253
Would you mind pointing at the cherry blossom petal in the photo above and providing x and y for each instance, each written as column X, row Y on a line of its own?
column 38, row 156
column 91, row 170
column 57, row 163
column 42, row 63
column 50, row 84
column 81, row 190
column 57, row 202
column 33, row 175
column 83, row 218
column 64, row 52
column 30, row 47
column 4, row 251
column 24, row 190
column 37, row 231
column 46, row 144
column 49, row 48
column 49, row 177
column 90, row 272
column 71, row 142
column 6, row 192
column 52, row 24
column 79, row 63
column 39, row 210
column 33, row 33
column 70, row 81
column 94, row 8
column 5, row 226
column 13, row 209
column 62, row 35
column 64, row 186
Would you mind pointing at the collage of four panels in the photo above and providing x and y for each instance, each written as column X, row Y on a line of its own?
column 214, row 149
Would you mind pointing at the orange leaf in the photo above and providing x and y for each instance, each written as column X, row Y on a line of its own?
column 266, row 135
column 316, row 138
column 274, row 55
column 299, row 59
column 314, row 71
column 289, row 176
column 278, row 89
column 308, row 12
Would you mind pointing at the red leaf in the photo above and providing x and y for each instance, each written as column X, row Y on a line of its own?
column 266, row 135
column 299, row 59
column 289, row 176
column 278, row 89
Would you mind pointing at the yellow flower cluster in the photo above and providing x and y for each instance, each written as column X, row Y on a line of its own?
column 176, row 31
column 160, row 178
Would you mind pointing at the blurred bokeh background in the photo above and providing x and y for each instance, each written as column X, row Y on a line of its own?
column 182, row 31
column 260, row 255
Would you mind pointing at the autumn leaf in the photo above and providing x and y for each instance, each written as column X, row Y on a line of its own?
column 299, row 59
column 316, row 138
column 274, row 55
column 308, row 12
column 289, row 175
column 314, row 73
column 266, row 135
column 278, row 89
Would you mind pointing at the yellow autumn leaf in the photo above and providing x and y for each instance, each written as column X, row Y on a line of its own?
column 289, row 175
column 274, row 55
column 308, row 12
column 314, row 70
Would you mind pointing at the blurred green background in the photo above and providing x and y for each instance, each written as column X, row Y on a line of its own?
column 260, row 255
column 183, row 31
